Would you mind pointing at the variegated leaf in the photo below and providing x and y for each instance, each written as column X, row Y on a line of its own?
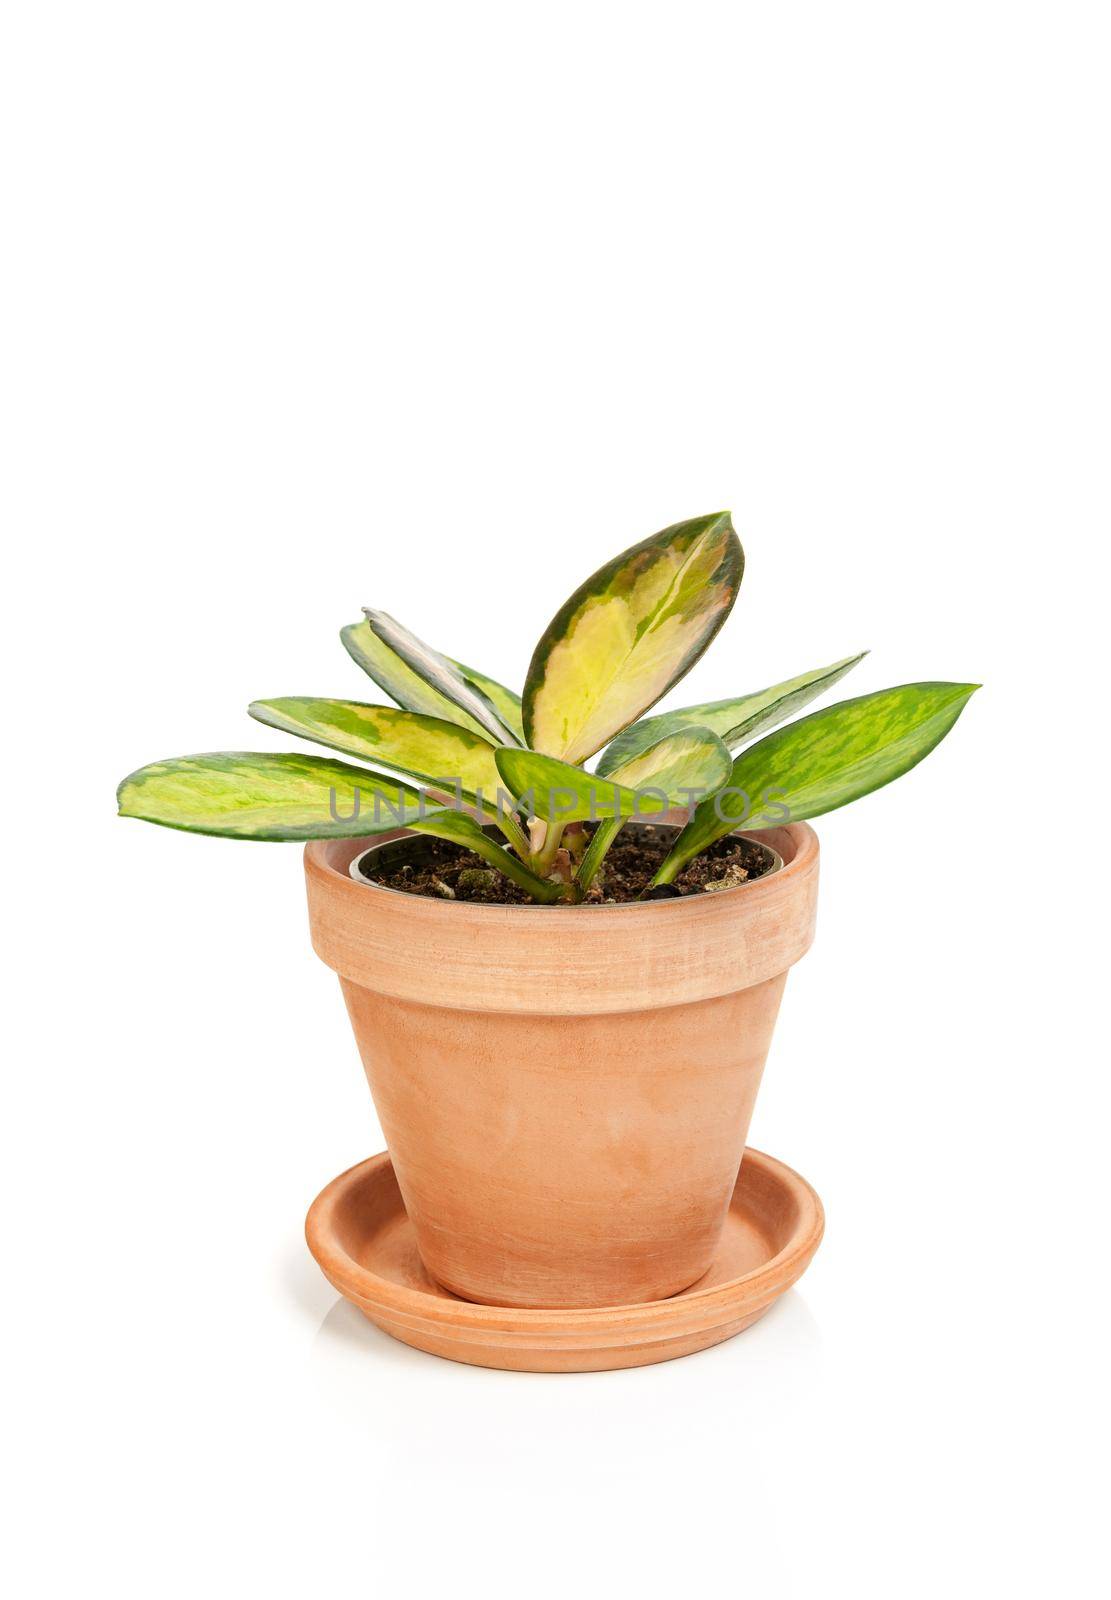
column 735, row 721
column 438, row 752
column 824, row 761
column 399, row 680
column 505, row 701
column 438, row 672
column 680, row 763
column 628, row 634
column 243, row 795
column 558, row 792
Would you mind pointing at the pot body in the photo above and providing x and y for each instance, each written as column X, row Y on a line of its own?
column 565, row 1091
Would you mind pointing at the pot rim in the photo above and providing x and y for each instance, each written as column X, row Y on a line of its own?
column 778, row 865
column 541, row 959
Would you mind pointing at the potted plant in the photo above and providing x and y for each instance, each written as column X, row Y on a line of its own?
column 563, row 1000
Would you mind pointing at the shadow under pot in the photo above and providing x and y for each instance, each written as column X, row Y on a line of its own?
column 565, row 1090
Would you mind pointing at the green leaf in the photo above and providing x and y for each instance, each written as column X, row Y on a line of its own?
column 559, row 792
column 440, row 675
column 438, row 752
column 735, row 721
column 398, row 680
column 824, row 761
column 243, row 795
column 461, row 829
column 628, row 634
column 505, row 701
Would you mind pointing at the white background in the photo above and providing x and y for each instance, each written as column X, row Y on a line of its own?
column 436, row 308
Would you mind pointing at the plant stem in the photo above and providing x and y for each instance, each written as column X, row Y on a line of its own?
column 604, row 835
column 542, row 860
column 670, row 869
column 575, row 840
column 514, row 832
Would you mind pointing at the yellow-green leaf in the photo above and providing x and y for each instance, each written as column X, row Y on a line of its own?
column 692, row 761
column 505, row 702
column 824, row 761
column 628, row 634
column 399, row 680
column 735, row 721
column 439, row 673
column 438, row 752
column 243, row 795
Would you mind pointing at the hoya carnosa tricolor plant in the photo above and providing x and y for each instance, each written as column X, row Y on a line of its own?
column 459, row 754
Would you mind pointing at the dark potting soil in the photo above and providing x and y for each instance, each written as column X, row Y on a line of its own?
column 445, row 871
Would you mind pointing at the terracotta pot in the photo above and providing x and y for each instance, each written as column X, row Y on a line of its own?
column 565, row 1091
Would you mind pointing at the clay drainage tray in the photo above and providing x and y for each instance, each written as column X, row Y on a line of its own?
column 358, row 1231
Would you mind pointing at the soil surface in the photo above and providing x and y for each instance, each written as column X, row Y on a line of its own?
column 444, row 871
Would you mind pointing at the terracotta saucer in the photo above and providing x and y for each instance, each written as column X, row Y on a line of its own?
column 358, row 1231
